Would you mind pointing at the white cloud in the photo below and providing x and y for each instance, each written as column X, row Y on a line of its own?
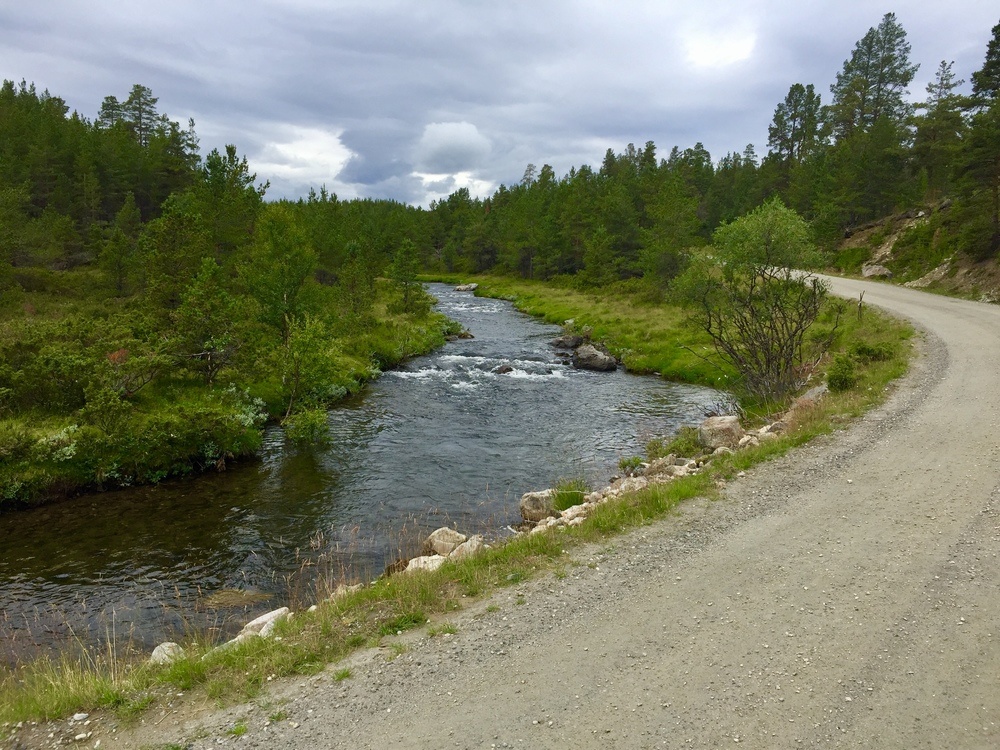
column 314, row 91
column 302, row 156
column 439, row 186
column 451, row 147
column 719, row 48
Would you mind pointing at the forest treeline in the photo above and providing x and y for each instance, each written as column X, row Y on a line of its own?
column 157, row 308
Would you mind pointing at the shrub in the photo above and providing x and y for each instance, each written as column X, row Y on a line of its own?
column 752, row 303
column 865, row 352
column 307, row 426
column 843, row 373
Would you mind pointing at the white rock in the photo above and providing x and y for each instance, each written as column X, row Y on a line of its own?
column 424, row 562
column 268, row 630
column 162, row 654
column 576, row 511
column 472, row 546
column 83, row 717
column 241, row 638
column 443, row 541
column 537, row 505
column 344, row 590
column 256, row 626
column 718, row 431
column 633, row 484
column 722, row 451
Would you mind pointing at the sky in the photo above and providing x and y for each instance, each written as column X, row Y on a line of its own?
column 411, row 100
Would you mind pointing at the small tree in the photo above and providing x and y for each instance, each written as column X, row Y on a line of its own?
column 205, row 323
column 754, row 304
column 404, row 269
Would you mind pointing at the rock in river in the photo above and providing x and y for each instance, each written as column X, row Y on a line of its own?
column 589, row 357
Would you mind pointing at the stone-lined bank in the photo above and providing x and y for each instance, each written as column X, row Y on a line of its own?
column 717, row 435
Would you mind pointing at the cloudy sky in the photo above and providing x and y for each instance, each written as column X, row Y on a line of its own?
column 411, row 99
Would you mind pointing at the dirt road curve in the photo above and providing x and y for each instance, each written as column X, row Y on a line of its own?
column 844, row 597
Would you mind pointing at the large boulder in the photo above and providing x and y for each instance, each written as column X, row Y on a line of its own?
column 809, row 399
column 466, row 287
column 472, row 546
column 875, row 271
column 537, row 506
column 443, row 541
column 589, row 357
column 718, row 432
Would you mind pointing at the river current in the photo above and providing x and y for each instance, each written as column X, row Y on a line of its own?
column 451, row 438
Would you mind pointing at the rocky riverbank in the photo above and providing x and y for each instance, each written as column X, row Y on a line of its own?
column 717, row 436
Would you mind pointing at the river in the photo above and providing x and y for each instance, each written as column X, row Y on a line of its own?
column 444, row 440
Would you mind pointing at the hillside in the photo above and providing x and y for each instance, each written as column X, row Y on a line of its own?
column 918, row 248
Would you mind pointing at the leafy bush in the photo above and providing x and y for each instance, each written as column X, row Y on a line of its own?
column 843, row 373
column 867, row 352
column 307, row 426
column 630, row 465
column 755, row 308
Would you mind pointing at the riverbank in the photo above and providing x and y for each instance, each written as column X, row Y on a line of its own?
column 369, row 616
column 90, row 400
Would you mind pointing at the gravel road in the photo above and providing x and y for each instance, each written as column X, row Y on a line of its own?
column 845, row 596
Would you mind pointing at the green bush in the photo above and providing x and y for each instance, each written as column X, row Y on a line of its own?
column 630, row 465
column 864, row 351
column 843, row 373
column 308, row 426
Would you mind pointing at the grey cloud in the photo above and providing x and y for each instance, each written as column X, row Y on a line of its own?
column 556, row 82
column 448, row 147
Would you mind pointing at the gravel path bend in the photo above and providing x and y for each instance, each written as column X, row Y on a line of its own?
column 845, row 596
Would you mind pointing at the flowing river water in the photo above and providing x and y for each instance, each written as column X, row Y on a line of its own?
column 444, row 440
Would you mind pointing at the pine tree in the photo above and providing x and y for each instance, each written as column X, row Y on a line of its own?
column 986, row 80
column 873, row 81
column 940, row 129
column 795, row 130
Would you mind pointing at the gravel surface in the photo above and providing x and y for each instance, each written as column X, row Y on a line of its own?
column 844, row 596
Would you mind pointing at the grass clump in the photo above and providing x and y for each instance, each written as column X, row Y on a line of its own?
column 569, row 492
column 684, row 443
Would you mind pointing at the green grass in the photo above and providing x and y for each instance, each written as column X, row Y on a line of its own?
column 647, row 337
column 125, row 683
column 569, row 492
